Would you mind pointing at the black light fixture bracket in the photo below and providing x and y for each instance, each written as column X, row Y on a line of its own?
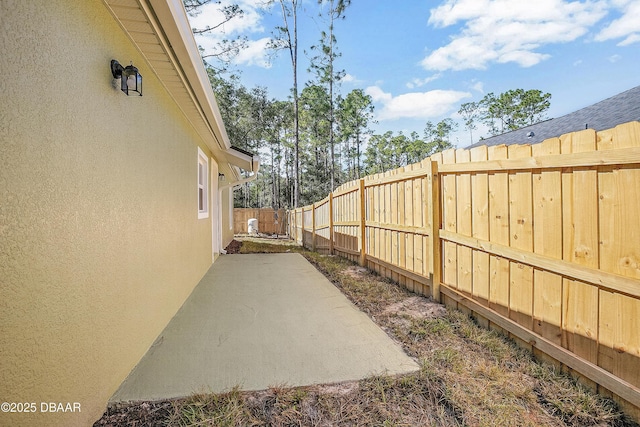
column 116, row 69
column 130, row 78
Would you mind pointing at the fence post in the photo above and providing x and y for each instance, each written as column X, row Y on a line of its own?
column 331, row 223
column 363, row 249
column 313, row 227
column 302, row 230
column 435, row 230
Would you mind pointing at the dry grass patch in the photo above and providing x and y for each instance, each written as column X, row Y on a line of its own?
column 469, row 376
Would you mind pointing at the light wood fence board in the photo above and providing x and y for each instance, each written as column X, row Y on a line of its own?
column 498, row 199
column 413, row 257
column 362, row 226
column 449, row 219
column 418, row 206
column 464, row 262
column 547, row 305
column 419, row 251
column 409, row 200
column 580, row 241
column 420, row 240
column 521, row 237
column 541, row 241
column 403, row 237
column 619, row 187
column 480, row 226
column 619, row 337
column 580, row 317
column 463, row 196
column 547, row 240
column 499, row 268
column 395, row 235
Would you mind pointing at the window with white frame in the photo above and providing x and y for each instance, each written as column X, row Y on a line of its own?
column 203, row 185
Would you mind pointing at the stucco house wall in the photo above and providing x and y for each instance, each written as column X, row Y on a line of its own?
column 100, row 241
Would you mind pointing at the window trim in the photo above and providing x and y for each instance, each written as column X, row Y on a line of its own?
column 203, row 185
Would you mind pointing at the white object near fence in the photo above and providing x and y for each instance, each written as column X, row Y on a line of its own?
column 252, row 226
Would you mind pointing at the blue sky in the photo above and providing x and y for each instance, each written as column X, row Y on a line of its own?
column 419, row 59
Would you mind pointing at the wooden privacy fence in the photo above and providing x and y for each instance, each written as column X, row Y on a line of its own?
column 270, row 221
column 542, row 241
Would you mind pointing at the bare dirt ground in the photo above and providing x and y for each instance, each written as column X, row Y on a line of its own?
column 469, row 376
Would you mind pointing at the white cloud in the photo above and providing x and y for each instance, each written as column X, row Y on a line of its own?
column 414, row 83
column 250, row 22
column 523, row 57
column 477, row 86
column 210, row 15
column 627, row 26
column 350, row 78
column 501, row 31
column 415, row 105
column 378, row 95
column 255, row 53
column 614, row 58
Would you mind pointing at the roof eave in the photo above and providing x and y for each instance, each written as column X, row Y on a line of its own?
column 175, row 23
column 166, row 21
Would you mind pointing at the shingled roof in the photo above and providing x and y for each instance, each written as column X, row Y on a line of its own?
column 621, row 108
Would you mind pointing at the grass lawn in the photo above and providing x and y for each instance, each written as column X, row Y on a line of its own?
column 469, row 376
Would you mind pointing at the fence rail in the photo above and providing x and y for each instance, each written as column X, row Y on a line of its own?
column 540, row 240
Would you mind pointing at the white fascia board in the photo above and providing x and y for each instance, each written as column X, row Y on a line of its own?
column 237, row 182
column 174, row 21
column 242, row 160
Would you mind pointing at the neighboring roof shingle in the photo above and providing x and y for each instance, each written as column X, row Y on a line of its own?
column 607, row 114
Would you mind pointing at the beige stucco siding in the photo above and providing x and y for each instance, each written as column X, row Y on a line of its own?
column 100, row 241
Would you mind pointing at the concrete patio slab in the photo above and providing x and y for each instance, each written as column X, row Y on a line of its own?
column 258, row 321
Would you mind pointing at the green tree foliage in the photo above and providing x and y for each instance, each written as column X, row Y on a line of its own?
column 533, row 106
column 470, row 113
column 315, row 125
column 317, row 139
column 286, row 38
column 388, row 151
column 438, row 136
column 513, row 109
column 323, row 65
column 252, row 123
column 278, row 124
column 355, row 113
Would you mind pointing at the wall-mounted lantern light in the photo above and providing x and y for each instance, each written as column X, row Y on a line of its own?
column 221, row 177
column 130, row 78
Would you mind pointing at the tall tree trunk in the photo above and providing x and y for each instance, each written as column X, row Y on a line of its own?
column 293, row 48
column 331, row 112
column 273, row 181
column 357, row 155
